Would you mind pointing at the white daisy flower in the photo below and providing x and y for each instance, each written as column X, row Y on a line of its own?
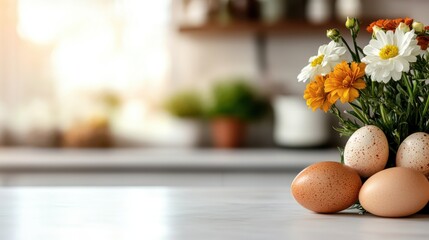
column 327, row 57
column 390, row 54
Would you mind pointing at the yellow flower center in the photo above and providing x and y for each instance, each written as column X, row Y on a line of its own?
column 389, row 51
column 317, row 61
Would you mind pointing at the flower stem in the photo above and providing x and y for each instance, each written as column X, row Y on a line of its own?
column 348, row 47
column 354, row 36
column 372, row 87
column 359, row 113
column 360, row 50
column 407, row 83
column 383, row 114
column 410, row 93
column 425, row 109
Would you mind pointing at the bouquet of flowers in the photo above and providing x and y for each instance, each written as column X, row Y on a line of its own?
column 385, row 84
column 386, row 87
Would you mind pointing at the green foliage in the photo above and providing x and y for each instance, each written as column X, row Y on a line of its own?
column 399, row 108
column 236, row 98
column 185, row 104
column 358, row 207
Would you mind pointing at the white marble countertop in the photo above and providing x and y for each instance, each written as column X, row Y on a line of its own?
column 23, row 159
column 184, row 213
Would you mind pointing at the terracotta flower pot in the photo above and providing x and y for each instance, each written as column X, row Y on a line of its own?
column 228, row 132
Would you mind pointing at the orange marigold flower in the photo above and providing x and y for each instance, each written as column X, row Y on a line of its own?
column 345, row 81
column 423, row 41
column 315, row 94
column 389, row 24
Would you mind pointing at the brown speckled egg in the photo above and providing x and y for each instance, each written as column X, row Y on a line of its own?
column 367, row 151
column 414, row 153
column 395, row 192
column 326, row 187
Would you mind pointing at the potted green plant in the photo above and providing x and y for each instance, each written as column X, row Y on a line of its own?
column 186, row 107
column 234, row 103
column 185, row 104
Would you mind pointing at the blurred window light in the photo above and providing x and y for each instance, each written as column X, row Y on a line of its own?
column 117, row 44
column 56, row 55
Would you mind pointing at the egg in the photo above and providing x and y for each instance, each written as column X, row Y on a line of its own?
column 414, row 153
column 326, row 187
column 367, row 151
column 395, row 192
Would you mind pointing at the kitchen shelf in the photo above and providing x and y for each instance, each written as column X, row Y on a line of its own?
column 283, row 27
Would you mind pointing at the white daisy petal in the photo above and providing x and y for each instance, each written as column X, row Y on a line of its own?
column 381, row 36
column 399, row 38
column 376, row 44
column 323, row 63
column 312, row 59
column 406, row 65
column 370, row 50
column 411, row 58
column 340, row 50
column 305, row 74
column 322, row 49
column 390, row 54
column 390, row 39
column 396, row 76
column 399, row 67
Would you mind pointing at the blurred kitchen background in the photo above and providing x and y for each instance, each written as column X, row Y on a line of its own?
column 169, row 73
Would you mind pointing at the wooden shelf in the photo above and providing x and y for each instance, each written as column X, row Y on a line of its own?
column 286, row 27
